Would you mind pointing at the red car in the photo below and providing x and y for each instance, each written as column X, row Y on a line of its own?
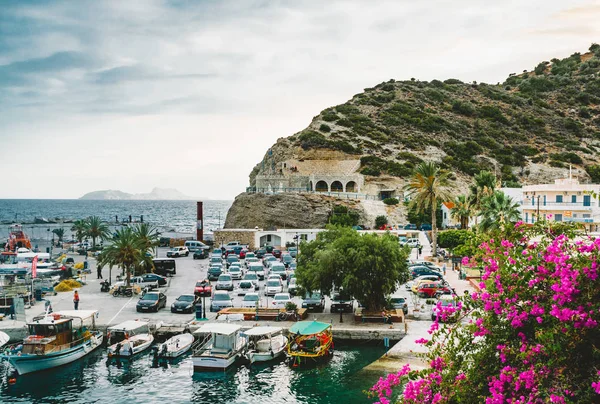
column 277, row 253
column 243, row 254
column 429, row 289
column 203, row 288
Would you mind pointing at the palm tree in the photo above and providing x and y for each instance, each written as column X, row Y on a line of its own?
column 498, row 210
column 79, row 227
column 60, row 233
column 462, row 211
column 149, row 238
column 428, row 186
column 124, row 251
column 485, row 183
column 95, row 228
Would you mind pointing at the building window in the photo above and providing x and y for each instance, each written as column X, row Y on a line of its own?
column 268, row 238
column 573, row 198
column 559, row 198
column 526, row 217
column 558, row 217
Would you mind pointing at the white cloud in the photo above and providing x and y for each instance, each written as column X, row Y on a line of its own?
column 136, row 94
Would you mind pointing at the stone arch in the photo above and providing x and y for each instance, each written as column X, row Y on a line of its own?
column 310, row 184
column 351, row 187
column 337, row 186
column 321, row 186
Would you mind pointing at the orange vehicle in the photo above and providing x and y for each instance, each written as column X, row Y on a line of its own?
column 17, row 238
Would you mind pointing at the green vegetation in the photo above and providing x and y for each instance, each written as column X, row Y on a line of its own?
column 368, row 267
column 391, row 201
column 342, row 216
column 594, row 172
column 380, row 221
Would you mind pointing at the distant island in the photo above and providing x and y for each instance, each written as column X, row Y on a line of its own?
column 164, row 194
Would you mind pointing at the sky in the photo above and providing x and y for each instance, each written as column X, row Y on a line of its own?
column 137, row 94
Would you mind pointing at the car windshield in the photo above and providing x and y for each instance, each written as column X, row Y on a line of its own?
column 245, row 285
column 225, row 278
column 251, row 298
column 186, row 298
column 251, row 276
column 175, row 249
column 277, row 269
column 397, row 300
column 232, row 258
column 273, row 283
column 282, row 297
column 340, row 296
column 314, row 296
column 150, row 296
column 292, row 281
column 447, row 302
column 215, row 259
column 234, row 269
column 219, row 296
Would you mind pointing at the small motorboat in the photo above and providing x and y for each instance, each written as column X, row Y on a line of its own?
column 264, row 343
column 131, row 346
column 310, row 342
column 221, row 347
column 174, row 347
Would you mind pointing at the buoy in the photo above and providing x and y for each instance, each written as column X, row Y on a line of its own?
column 12, row 380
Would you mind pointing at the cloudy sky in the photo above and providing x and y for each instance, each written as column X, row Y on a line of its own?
column 132, row 95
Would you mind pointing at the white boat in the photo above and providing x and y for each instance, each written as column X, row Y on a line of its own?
column 55, row 340
column 174, row 346
column 129, row 338
column 264, row 343
column 221, row 348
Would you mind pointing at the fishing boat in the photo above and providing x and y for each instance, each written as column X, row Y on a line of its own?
column 221, row 347
column 55, row 339
column 310, row 342
column 129, row 338
column 264, row 343
column 17, row 238
column 174, row 347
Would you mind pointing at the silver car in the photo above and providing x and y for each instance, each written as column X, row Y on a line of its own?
column 225, row 282
column 220, row 300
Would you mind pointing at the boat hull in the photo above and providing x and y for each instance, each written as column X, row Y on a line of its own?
column 126, row 352
column 176, row 346
column 270, row 351
column 211, row 363
column 24, row 364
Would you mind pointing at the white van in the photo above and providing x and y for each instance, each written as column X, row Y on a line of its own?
column 194, row 245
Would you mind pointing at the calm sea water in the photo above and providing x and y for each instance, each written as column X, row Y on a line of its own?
column 169, row 216
column 91, row 380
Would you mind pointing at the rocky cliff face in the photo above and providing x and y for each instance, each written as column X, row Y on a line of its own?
column 293, row 211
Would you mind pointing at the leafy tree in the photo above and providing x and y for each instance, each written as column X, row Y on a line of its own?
column 79, row 227
column 462, row 211
column 381, row 221
column 484, row 185
column 451, row 239
column 96, row 228
column 148, row 238
column 594, row 172
column 498, row 211
column 428, row 186
column 342, row 216
column 530, row 336
column 125, row 251
column 367, row 266
column 414, row 216
column 391, row 201
column 60, row 233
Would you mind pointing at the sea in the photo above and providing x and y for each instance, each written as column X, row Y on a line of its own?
column 172, row 218
column 95, row 380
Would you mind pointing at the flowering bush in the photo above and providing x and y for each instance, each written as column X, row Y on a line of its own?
column 531, row 335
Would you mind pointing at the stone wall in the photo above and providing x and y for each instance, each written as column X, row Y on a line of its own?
column 223, row 237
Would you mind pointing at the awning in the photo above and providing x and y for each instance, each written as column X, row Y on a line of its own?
column 309, row 327
column 218, row 328
column 262, row 331
column 128, row 325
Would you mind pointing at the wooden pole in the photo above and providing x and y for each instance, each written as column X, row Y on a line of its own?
column 199, row 224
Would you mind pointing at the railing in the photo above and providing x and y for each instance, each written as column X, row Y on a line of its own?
column 343, row 195
column 201, row 346
column 543, row 204
column 578, row 219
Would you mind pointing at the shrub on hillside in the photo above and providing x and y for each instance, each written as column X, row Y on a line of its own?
column 463, row 108
column 391, row 201
column 381, row 221
column 324, row 128
column 594, row 172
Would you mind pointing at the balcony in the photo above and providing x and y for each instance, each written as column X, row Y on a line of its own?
column 578, row 219
column 558, row 205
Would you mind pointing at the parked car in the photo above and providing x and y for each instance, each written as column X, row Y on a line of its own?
column 287, row 259
column 269, row 249
column 293, row 287
column 248, row 255
column 293, row 251
column 314, row 301
column 341, row 302
column 235, row 272
column 425, row 227
column 412, row 242
column 268, row 258
column 250, row 300
column 402, row 240
column 151, row 301
column 273, row 287
column 258, row 269
column 252, row 277
column 224, row 282
column 203, row 288
column 399, row 303
column 228, row 252
column 243, row 253
column 231, row 259
column 292, row 266
column 177, row 252
column 417, row 271
column 200, row 254
column 215, row 260
column 278, row 268
column 194, row 245
column 249, row 261
column 410, row 227
column 433, row 277
column 427, row 264
column 150, row 281
column 184, row 304
column 164, row 266
column 237, row 250
column 429, row 289
column 214, row 273
column 220, row 300
column 260, row 253
column 445, row 301
column 417, row 283
column 277, row 253
column 280, row 300
column 233, row 244
column 244, row 287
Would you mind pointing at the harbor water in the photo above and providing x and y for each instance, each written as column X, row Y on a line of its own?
column 94, row 380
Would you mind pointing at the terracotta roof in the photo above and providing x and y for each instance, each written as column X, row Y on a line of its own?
column 449, row 205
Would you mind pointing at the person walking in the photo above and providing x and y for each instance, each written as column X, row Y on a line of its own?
column 444, row 268
column 76, row 300
column 99, row 271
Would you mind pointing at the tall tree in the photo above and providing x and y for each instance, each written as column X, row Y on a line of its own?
column 368, row 267
column 498, row 210
column 427, row 187
column 96, row 228
column 484, row 185
column 60, row 233
column 148, row 238
column 124, row 251
column 462, row 211
column 79, row 227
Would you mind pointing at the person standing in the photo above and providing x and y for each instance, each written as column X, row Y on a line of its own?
column 76, row 300
column 99, row 271
column 444, row 268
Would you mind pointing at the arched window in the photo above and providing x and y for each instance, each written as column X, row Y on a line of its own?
column 321, row 187
column 351, row 187
column 337, row 186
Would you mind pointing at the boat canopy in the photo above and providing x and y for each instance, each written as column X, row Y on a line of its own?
column 266, row 330
column 309, row 327
column 128, row 325
column 218, row 328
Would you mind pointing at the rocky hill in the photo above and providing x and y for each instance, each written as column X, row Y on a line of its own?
column 528, row 129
